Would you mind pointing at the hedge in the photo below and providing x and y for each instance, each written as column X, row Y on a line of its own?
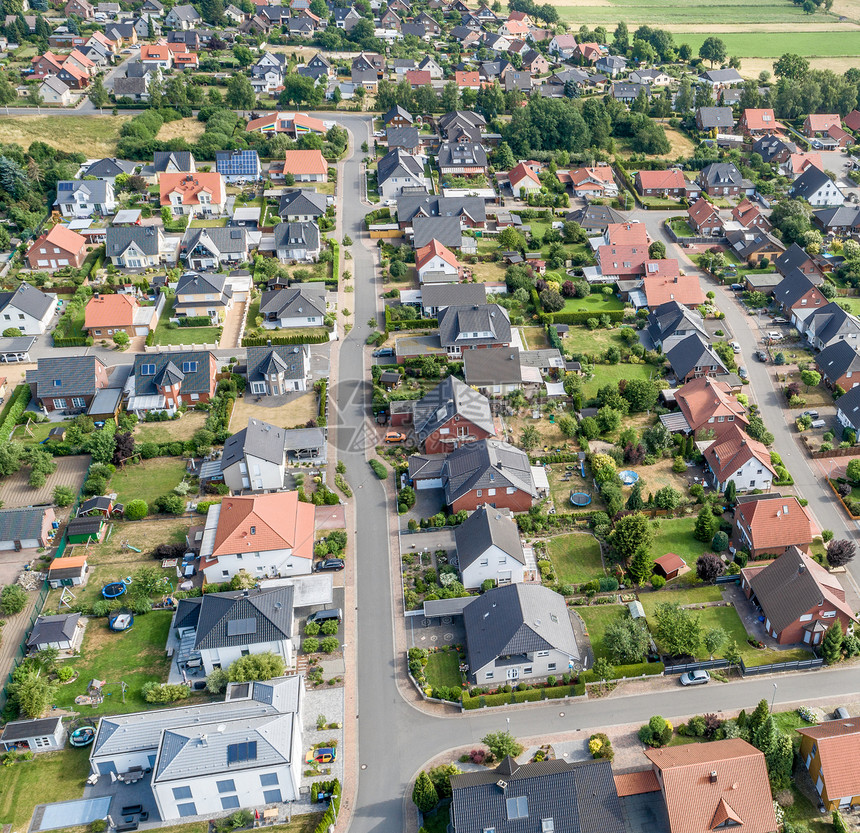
column 559, row 457
column 638, row 669
column 409, row 323
column 330, row 815
column 263, row 341
column 19, row 400
column 529, row 696
column 75, row 341
column 195, row 321
column 581, row 316
column 335, row 263
column 323, row 392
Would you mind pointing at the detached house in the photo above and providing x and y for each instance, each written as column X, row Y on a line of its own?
column 489, row 549
column 476, row 327
column 795, row 294
column 848, row 410
column 462, row 159
column 84, row 198
column 794, row 257
column 254, row 458
column 721, row 179
column 839, row 366
column 166, row 381
column 825, row 326
column 212, row 248
column 817, row 124
column 436, row 263
column 818, row 189
column 299, row 305
column 183, row 17
column 397, row 171
column 691, row 358
column 672, row 322
column 829, row 752
column 708, row 409
column 263, row 535
column 738, row 457
column 301, row 206
column 135, row 247
column 524, row 178
column 67, row 382
column 198, row 295
column 799, row 598
column 705, row 219
column 668, row 183
column 297, row 241
column 759, row 121
column 278, row 369
column 306, row 165
column 198, row 193
column 107, row 315
column 58, row 248
column 772, row 525
column 27, row 309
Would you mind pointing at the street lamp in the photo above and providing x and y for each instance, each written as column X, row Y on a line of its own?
column 508, row 725
column 773, row 698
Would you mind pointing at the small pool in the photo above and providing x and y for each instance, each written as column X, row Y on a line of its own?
column 113, row 590
column 628, row 477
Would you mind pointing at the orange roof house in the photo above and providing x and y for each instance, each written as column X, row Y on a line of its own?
column 663, row 282
column 709, row 405
column 627, row 234
column 435, row 249
column 771, row 525
column 831, row 753
column 274, row 532
column 760, row 121
column 156, row 52
column 470, row 80
column 711, row 786
column 185, row 59
column 737, row 456
column 592, row 180
column 104, row 311
column 419, row 77
column 522, row 176
column 748, row 214
column 296, row 124
column 186, row 192
column 305, row 165
column 819, row 123
column 59, row 247
column 704, row 217
column 670, row 181
column 799, row 162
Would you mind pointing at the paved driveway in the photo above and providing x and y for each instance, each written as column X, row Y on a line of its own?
column 232, row 325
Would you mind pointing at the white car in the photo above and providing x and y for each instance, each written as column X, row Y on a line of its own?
column 736, row 348
column 698, row 677
column 773, row 335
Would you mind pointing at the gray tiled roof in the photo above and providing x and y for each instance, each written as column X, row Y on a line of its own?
column 119, row 238
column 227, row 240
column 192, row 381
column 259, row 439
column 96, row 191
column 792, row 287
column 459, row 294
column 24, row 729
column 76, row 374
column 483, row 529
column 692, row 352
column 181, row 159
column 110, row 167
column 844, row 215
column 410, row 206
column 302, row 202
column 672, row 316
column 53, row 628
column 809, row 182
column 290, row 360
column 16, row 344
column 462, row 155
column 596, row 217
column 486, row 464
column 27, row 299
column 306, row 235
column 720, row 174
column 399, row 162
column 397, row 110
column 19, row 524
column 838, row 359
column 499, row 366
column 579, row 797
column 187, row 12
column 517, row 619
column 193, row 283
column 298, row 300
column 457, row 324
column 716, row 117
column 129, row 86
column 463, row 118
column 449, row 398
column 299, row 439
column 446, row 230
column 402, row 137
column 792, row 258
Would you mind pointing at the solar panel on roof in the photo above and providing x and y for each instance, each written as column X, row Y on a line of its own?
column 241, row 627
column 65, row 186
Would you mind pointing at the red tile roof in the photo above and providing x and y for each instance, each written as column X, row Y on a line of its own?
column 799, row 162
column 265, row 522
column 668, row 285
column 520, row 172
column 304, row 162
column 155, row 52
column 419, row 77
column 431, row 250
column 191, row 186
column 662, row 180
column 820, row 122
column 586, row 179
column 627, row 234
column 776, row 523
column 636, row 783
column 747, row 213
column 839, row 751
column 467, row 79
column 701, row 211
column 733, row 450
column 761, row 119
column 109, row 311
column 706, row 784
column 670, row 562
column 64, row 238
column 852, row 120
column 703, row 398
column 622, row 260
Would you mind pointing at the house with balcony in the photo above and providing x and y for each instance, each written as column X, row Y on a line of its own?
column 82, row 199
column 167, row 381
column 194, row 194
column 772, row 525
column 278, row 369
column 198, row 295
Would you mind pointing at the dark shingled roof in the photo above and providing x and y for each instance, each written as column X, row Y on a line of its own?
column 301, row 202
column 53, row 628
column 285, row 356
column 259, row 439
column 486, row 464
column 24, row 729
column 692, row 352
column 170, row 364
column 837, row 360
column 483, row 529
column 457, row 324
column 454, row 294
column 792, row 258
column 298, row 300
column 119, row 238
column 448, row 398
column 21, row 524
column 444, row 229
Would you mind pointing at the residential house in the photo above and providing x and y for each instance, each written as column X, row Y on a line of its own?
column 245, row 752
column 107, row 315
column 755, row 122
column 721, row 179
column 416, row 77
column 591, row 182
column 848, row 410
column 399, row 170
column 614, row 65
column 772, row 525
column 174, row 162
column 462, row 120
column 704, row 219
column 345, row 18
column 621, row 262
column 750, row 216
column 589, row 53
column 72, row 570
column 183, row 17
column 167, row 381
column 238, row 165
column 672, row 322
column 446, row 230
column 63, row 632
column 713, row 786
column 254, row 458
column 563, row 46
column 435, row 297
column 691, row 358
column 816, row 125
column 299, row 305
column 293, row 124
column 54, row 91
column 828, row 752
column 302, row 206
column 462, row 159
column 397, row 116
column 738, row 457
column 708, row 409
column 198, row 295
column 795, row 257
column 45, row 734
column 489, row 549
column 219, row 628
column 85, row 198
column 818, row 189
column 523, row 178
column 476, row 327
column 66, row 383
column 108, row 168
column 798, row 163
column 156, row 56
column 843, row 221
column 319, row 66
column 662, row 282
column 80, row 8
column 535, row 63
column 595, row 219
column 135, row 88
column 627, row 93
column 405, row 138
column 306, row 165
column 278, row 369
column 297, row 241
column 45, row 65
column 56, row 249
column 27, row 528
column 273, row 532
column 450, row 416
column 754, row 245
column 520, row 632
column 200, row 193
column 213, row 248
column 839, row 365
column 720, row 119
column 796, row 293
column 668, row 183
column 436, row 263
column 829, row 324
column 650, row 77
column 722, row 77
column 135, row 247
column 799, row 598
column 470, row 212
column 774, row 149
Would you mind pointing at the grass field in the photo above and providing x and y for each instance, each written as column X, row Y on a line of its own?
column 757, row 45
column 443, row 669
column 610, row 374
column 189, row 129
column 176, row 429
column 183, row 335
column 92, row 135
column 148, row 480
column 597, row 302
column 597, row 619
column 575, row 557
column 676, row 535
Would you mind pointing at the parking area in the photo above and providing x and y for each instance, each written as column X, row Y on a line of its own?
column 435, row 632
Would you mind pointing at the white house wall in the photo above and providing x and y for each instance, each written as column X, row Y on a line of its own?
column 500, row 567
column 224, row 657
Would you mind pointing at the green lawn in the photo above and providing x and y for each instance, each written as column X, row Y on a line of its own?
column 757, row 45
column 251, row 317
column 134, row 657
column 437, row 821
column 682, row 228
column 685, row 596
column 676, row 535
column 579, row 339
column 611, row 374
column 575, row 557
column 597, row 619
column 51, row 776
column 183, row 335
column 71, row 324
column 40, row 432
column 148, row 480
column 443, row 669
column 699, row 11
column 597, row 301
column 208, row 222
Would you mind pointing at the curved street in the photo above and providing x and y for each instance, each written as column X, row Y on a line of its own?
column 394, row 738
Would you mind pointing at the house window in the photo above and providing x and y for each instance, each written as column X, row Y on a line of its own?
column 527, row 670
column 551, row 666
column 228, row 786
column 225, row 573
column 181, row 792
column 253, row 528
column 543, row 653
column 195, row 397
column 59, row 403
column 489, row 675
column 78, row 402
column 271, row 796
column 147, row 370
column 185, row 810
column 42, row 741
column 269, row 779
column 189, row 367
column 828, row 614
column 480, row 493
column 229, row 802
column 485, row 562
column 58, row 383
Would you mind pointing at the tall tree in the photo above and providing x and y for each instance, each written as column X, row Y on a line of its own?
column 7, row 92
column 831, row 645
column 98, row 95
column 677, row 630
column 621, row 38
column 240, row 93
column 713, row 50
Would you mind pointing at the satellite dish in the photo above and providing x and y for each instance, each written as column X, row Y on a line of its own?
column 222, row 727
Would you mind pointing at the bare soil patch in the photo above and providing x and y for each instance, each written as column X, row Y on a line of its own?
column 295, row 413
column 189, row 129
column 15, row 492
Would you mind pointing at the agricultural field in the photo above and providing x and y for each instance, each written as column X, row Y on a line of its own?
column 93, row 136
column 759, row 45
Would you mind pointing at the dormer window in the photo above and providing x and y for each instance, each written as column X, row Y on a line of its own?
column 58, row 383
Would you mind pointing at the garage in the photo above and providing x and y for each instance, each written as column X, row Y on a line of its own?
column 141, row 331
column 435, row 483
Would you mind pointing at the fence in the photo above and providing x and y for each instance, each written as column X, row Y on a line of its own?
column 797, row 665
column 735, row 579
column 682, row 667
column 695, row 239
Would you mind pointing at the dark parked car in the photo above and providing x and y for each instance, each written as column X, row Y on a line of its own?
column 383, row 351
column 329, row 564
column 761, row 355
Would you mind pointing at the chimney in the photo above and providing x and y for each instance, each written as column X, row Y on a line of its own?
column 801, row 568
column 502, row 785
column 713, row 777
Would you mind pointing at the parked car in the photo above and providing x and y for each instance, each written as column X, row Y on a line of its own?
column 737, row 287
column 329, row 564
column 383, row 351
column 698, row 677
column 325, row 754
column 394, row 437
column 736, row 348
column 742, row 372
column 810, row 414
column 329, row 615
column 818, row 423
column 761, row 355
column 780, row 320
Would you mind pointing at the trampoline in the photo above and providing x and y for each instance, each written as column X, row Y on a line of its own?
column 580, row 498
column 113, row 590
column 628, row 478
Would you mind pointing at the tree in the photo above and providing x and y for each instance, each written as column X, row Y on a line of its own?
column 441, row 777
column 831, row 645
column 64, row 496
column 504, row 157
column 626, row 641
column 731, row 493
column 170, row 504
column 502, row 744
column 551, row 300
column 621, row 38
column 608, row 419
column 7, row 92
column 529, row 437
column 677, row 630
column 635, row 501
column 451, row 98
column 424, row 794
column 810, row 378
column 263, row 666
column 299, row 89
column 244, row 57
column 121, row 338
column 217, row 681
column 32, row 693
column 631, row 536
column 709, row 566
column 732, row 654
column 657, row 250
column 657, row 438
column 667, row 498
column 602, row 669
column 102, row 444
column 98, row 95
column 720, row 542
column 713, row 50
column 791, row 66
column 641, row 394
column 852, row 471
column 713, row 640
column 240, row 93
column 840, row 552
column 136, row 510
column 13, row 599
column 706, row 525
